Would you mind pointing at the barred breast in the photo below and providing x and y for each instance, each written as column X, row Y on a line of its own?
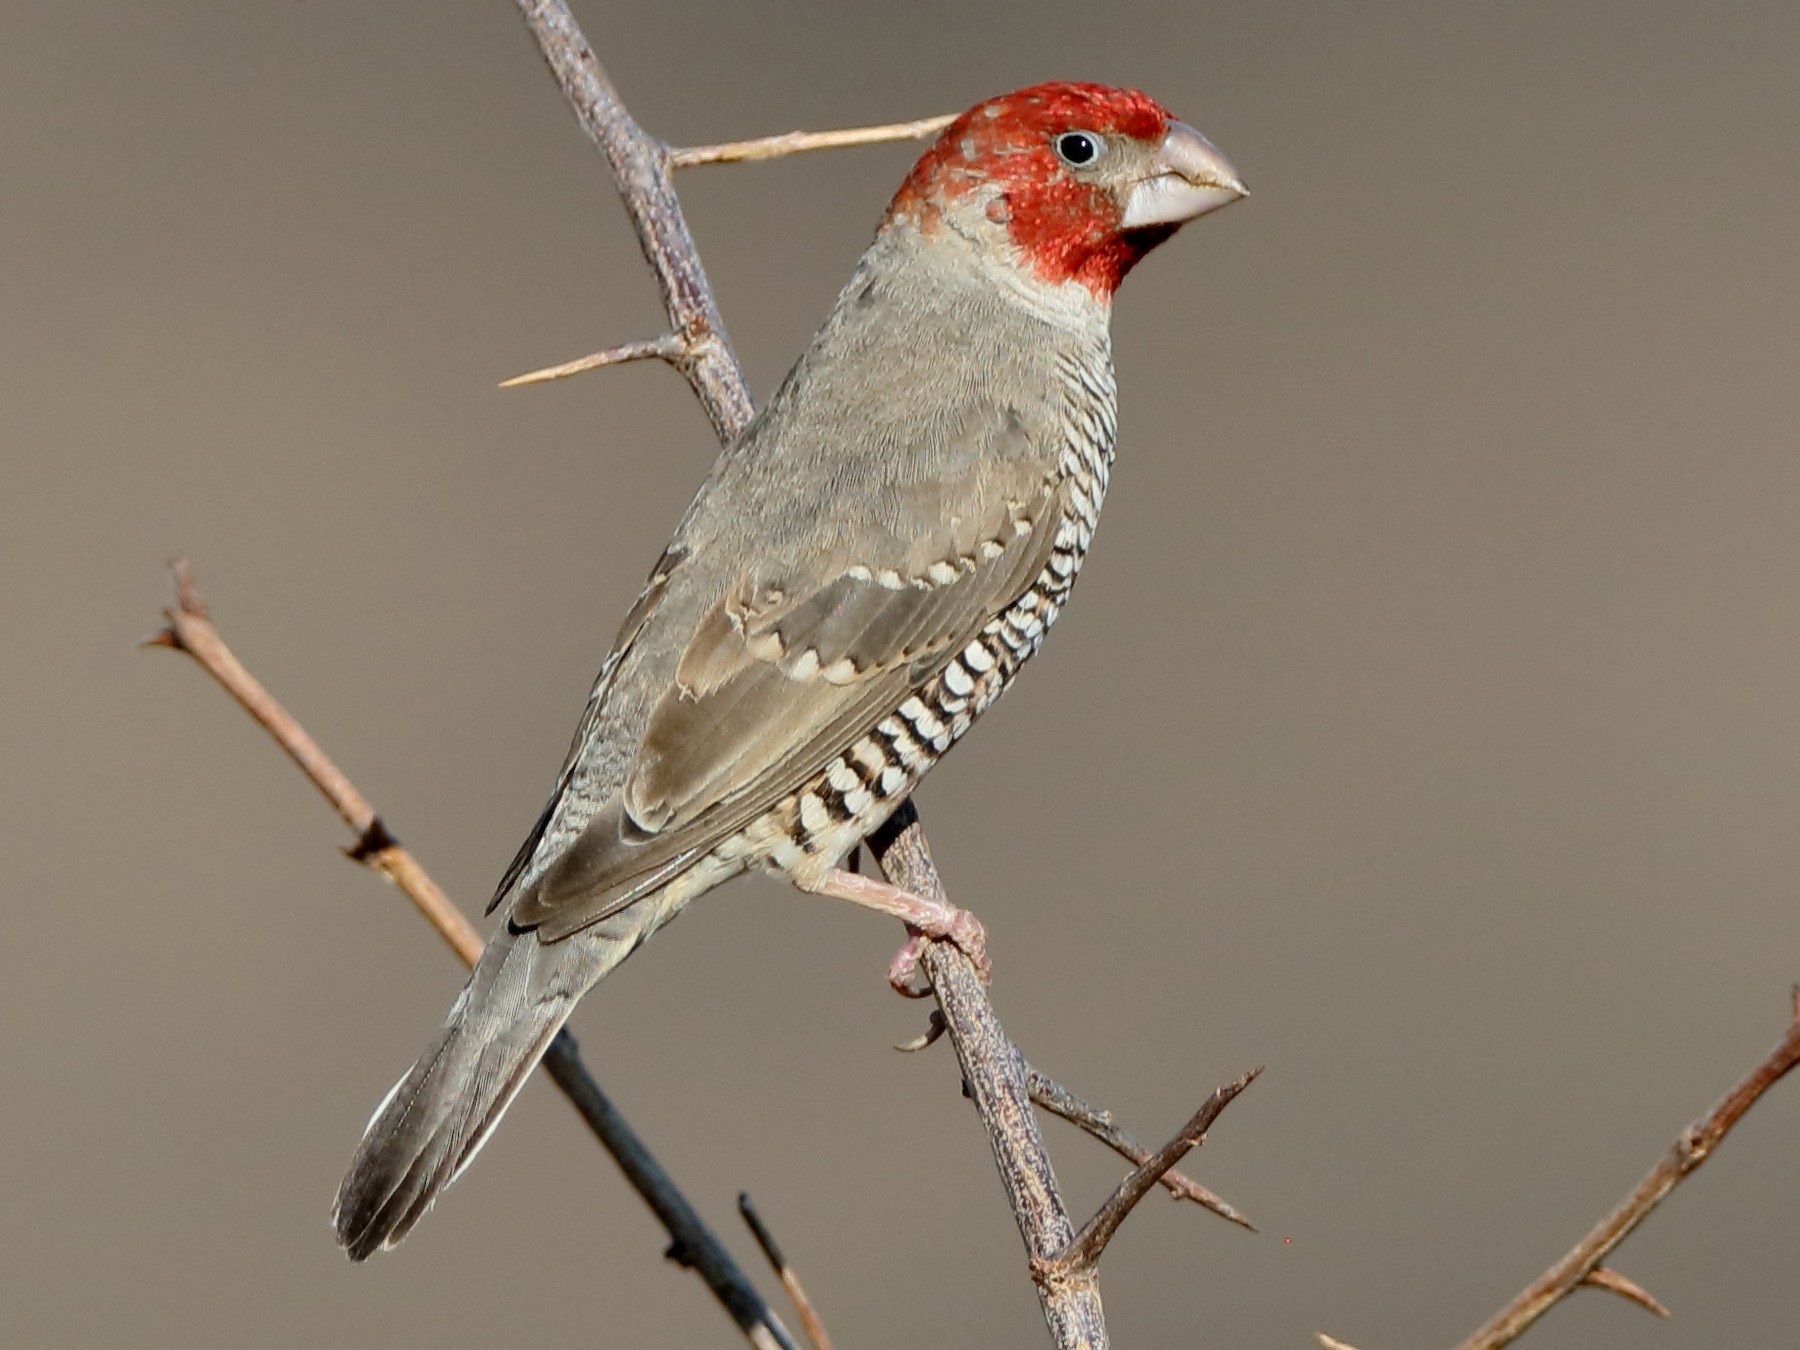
column 811, row 831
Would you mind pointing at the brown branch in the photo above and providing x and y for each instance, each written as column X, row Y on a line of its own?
column 799, row 142
column 1085, row 1250
column 994, row 1075
column 992, row 1067
column 668, row 348
column 1691, row 1148
column 640, row 166
column 1057, row 1099
column 190, row 630
column 810, row 1322
column 1581, row 1265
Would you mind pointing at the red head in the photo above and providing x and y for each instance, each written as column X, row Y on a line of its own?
column 1081, row 180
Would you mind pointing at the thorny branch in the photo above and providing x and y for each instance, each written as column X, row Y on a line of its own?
column 992, row 1068
column 1058, row 1100
column 189, row 629
column 1581, row 1264
column 1085, row 1250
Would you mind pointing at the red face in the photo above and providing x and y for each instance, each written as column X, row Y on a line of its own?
column 1069, row 171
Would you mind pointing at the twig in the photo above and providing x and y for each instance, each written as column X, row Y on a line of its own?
column 668, row 348
column 994, row 1073
column 640, row 166
column 810, row 1322
column 799, row 142
column 1084, row 1251
column 190, row 630
column 1057, row 1099
column 1691, row 1148
column 1581, row 1265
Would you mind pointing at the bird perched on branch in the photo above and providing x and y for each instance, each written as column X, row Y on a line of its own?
column 863, row 572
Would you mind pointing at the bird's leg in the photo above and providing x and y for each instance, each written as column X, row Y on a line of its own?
column 929, row 920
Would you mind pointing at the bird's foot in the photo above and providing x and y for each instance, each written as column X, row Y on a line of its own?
column 929, row 921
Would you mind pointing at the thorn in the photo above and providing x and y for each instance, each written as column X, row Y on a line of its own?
column 798, row 142
column 668, row 347
column 187, row 599
column 1332, row 1342
column 162, row 637
column 1601, row 1277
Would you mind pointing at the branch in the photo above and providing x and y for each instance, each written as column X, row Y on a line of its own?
column 190, row 630
column 1691, row 1148
column 1057, row 1099
column 1582, row 1263
column 992, row 1067
column 640, row 166
column 672, row 347
column 994, row 1073
column 799, row 142
column 1084, row 1251
column 1092, row 1120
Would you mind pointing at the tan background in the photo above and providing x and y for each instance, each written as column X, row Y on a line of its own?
column 1426, row 726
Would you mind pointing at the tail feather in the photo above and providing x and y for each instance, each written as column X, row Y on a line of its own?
column 435, row 1119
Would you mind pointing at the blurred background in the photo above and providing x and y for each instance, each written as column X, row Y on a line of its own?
column 1427, row 727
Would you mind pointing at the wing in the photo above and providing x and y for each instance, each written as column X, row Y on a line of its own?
column 780, row 676
column 647, row 602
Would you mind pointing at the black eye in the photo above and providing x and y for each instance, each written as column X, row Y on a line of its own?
column 1079, row 148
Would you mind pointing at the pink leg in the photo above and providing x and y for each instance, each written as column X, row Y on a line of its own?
column 927, row 918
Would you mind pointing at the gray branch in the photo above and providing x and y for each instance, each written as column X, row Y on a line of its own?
column 994, row 1071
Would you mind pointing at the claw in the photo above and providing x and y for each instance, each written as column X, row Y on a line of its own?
column 905, row 965
column 933, row 1029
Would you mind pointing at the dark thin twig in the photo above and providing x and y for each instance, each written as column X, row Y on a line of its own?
column 810, row 1321
column 191, row 631
column 1085, row 1249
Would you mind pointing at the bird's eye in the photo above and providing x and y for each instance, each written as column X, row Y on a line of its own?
column 1078, row 149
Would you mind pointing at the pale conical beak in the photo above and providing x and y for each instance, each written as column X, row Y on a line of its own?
column 1194, row 178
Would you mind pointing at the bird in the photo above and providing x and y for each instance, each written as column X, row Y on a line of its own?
column 862, row 573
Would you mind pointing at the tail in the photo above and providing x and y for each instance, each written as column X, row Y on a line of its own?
column 435, row 1119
